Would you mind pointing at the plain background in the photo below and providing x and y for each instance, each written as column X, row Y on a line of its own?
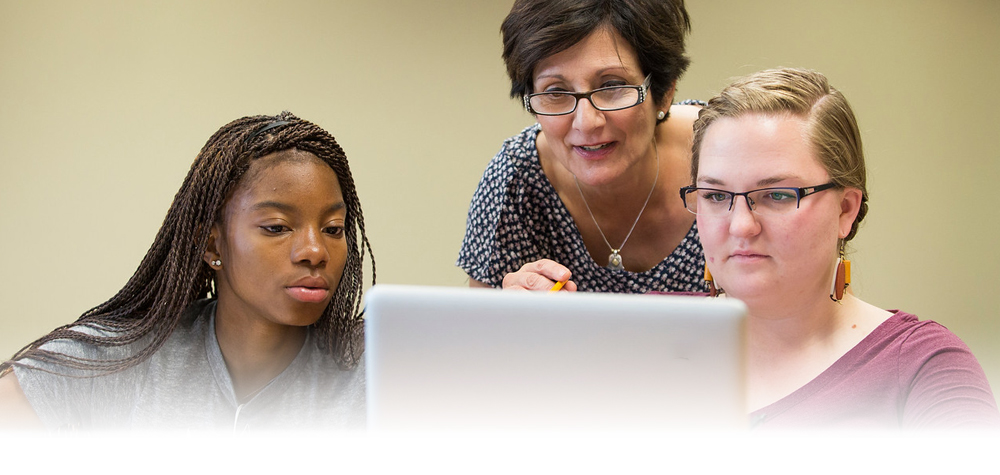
column 104, row 105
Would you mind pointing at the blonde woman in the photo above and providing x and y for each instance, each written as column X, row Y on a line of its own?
column 778, row 188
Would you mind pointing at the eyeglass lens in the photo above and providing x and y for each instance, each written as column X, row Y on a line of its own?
column 716, row 202
column 609, row 98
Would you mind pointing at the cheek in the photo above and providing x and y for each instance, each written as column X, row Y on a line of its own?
column 808, row 237
column 338, row 255
column 338, row 260
column 249, row 256
column 639, row 121
column 712, row 233
column 555, row 128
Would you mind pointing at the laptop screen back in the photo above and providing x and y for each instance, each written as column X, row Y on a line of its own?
column 442, row 358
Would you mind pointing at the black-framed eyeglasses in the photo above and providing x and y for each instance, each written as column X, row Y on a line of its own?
column 715, row 202
column 610, row 98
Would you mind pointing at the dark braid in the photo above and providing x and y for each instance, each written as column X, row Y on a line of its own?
column 173, row 274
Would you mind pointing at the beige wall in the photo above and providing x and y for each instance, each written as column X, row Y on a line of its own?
column 103, row 106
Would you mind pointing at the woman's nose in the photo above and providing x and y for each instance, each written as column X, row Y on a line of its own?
column 586, row 116
column 310, row 249
column 742, row 220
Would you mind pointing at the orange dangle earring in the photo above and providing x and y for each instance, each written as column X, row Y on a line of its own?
column 843, row 277
column 712, row 291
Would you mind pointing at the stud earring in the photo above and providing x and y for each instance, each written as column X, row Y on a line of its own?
column 660, row 115
column 216, row 263
column 712, row 290
column 842, row 279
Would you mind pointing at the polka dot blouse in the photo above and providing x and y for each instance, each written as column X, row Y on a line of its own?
column 516, row 217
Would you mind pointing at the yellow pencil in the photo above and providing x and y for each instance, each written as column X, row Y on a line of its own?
column 555, row 288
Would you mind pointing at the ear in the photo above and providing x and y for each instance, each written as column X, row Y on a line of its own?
column 668, row 96
column 850, row 205
column 212, row 249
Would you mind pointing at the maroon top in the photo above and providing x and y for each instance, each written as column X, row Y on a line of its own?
column 907, row 374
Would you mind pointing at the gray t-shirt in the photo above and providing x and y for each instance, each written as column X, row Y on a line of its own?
column 185, row 385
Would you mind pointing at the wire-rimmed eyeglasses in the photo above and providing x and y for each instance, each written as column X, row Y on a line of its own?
column 609, row 98
column 715, row 202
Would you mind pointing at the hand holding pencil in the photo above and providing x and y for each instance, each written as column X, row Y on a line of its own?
column 544, row 274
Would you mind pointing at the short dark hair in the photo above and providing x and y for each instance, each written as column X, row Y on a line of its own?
column 537, row 29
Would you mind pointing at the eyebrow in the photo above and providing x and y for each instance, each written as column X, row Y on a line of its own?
column 762, row 183
column 616, row 69
column 287, row 208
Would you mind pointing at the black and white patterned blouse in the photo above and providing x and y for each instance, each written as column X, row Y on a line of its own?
column 516, row 217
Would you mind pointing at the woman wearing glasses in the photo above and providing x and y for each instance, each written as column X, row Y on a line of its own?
column 779, row 188
column 588, row 194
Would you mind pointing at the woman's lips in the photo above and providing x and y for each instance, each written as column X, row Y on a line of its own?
column 594, row 151
column 308, row 294
column 309, row 289
column 746, row 256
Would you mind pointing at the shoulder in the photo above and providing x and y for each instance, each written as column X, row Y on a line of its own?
column 79, row 343
column 686, row 111
column 946, row 385
column 514, row 174
column 524, row 139
column 912, row 349
column 188, row 341
column 912, row 341
column 925, row 348
column 15, row 409
column 915, row 335
column 516, row 154
column 195, row 319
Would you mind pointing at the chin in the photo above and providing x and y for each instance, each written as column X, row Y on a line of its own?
column 304, row 318
column 599, row 175
column 747, row 291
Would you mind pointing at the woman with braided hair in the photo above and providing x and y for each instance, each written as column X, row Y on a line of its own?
column 245, row 312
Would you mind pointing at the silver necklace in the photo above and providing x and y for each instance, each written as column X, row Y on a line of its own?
column 615, row 258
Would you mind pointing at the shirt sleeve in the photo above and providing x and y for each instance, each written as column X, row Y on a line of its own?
column 72, row 399
column 947, row 387
column 498, row 237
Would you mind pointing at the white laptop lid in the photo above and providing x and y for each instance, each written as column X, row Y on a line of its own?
column 447, row 358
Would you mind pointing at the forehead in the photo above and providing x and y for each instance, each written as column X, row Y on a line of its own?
column 758, row 147
column 259, row 166
column 604, row 48
column 289, row 174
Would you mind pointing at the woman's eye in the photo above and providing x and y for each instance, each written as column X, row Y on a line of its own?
column 335, row 231
column 780, row 196
column 716, row 197
column 274, row 228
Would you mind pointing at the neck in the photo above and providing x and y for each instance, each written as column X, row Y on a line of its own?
column 782, row 327
column 608, row 203
column 615, row 261
column 255, row 353
column 788, row 351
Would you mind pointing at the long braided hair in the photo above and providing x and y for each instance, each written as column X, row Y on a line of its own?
column 173, row 274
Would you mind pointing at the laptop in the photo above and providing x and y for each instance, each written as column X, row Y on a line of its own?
column 461, row 359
